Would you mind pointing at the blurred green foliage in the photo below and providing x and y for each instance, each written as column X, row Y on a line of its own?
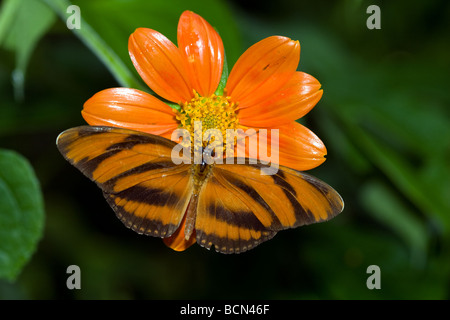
column 384, row 118
column 22, row 24
column 22, row 213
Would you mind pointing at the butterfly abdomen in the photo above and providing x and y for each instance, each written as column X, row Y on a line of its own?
column 231, row 206
column 199, row 174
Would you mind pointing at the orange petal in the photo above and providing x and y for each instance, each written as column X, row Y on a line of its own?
column 297, row 147
column 202, row 49
column 160, row 65
column 300, row 94
column 262, row 70
column 130, row 109
column 177, row 241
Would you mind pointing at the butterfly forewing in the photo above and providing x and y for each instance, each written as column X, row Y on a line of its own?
column 148, row 192
column 239, row 207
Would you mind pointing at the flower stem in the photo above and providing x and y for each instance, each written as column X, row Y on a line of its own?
column 94, row 41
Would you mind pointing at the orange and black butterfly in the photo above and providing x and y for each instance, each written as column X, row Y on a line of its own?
column 232, row 207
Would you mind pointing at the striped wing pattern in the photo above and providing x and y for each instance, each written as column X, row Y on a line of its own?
column 239, row 208
column 147, row 191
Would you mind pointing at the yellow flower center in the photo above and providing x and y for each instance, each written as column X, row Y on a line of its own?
column 206, row 118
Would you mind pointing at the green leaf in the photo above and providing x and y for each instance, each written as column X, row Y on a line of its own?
column 21, row 213
column 223, row 78
column 107, row 24
column 22, row 24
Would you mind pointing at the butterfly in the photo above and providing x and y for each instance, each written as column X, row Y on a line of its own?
column 232, row 207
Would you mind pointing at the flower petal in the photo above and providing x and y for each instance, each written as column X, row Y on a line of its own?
column 262, row 70
column 297, row 147
column 160, row 65
column 202, row 49
column 130, row 109
column 177, row 241
column 300, row 94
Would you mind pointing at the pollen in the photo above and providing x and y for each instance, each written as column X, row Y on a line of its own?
column 216, row 114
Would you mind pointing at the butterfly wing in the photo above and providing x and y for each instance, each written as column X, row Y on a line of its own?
column 147, row 191
column 239, row 208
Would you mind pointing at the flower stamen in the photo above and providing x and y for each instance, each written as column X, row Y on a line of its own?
column 216, row 113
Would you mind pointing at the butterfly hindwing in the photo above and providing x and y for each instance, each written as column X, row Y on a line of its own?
column 225, row 220
column 147, row 191
column 240, row 208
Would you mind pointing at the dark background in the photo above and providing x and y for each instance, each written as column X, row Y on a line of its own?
column 384, row 118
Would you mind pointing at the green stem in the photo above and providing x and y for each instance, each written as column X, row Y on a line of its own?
column 93, row 40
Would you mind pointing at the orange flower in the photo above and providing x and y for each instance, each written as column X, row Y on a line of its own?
column 263, row 91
